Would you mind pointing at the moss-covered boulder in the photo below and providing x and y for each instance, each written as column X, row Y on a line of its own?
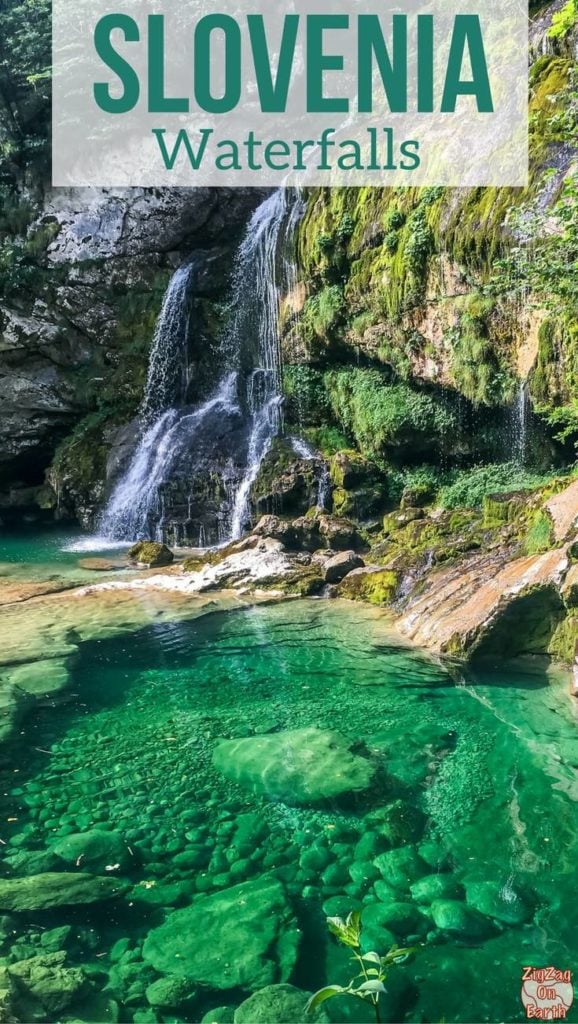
column 242, row 937
column 278, row 1004
column 57, row 889
column 370, row 583
column 151, row 554
column 303, row 766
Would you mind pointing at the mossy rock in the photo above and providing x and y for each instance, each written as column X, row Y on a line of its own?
column 500, row 509
column 150, row 553
column 349, row 469
column 372, row 584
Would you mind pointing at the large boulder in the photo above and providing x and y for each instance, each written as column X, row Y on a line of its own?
column 96, row 851
column 242, row 937
column 340, row 565
column 301, row 766
column 57, row 889
column 278, row 1004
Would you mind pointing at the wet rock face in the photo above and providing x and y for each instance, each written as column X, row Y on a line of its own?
column 100, row 283
column 242, row 937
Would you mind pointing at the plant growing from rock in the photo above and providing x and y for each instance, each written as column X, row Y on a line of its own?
column 369, row 983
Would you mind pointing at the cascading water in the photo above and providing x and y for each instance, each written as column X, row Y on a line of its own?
column 224, row 440
column 307, row 452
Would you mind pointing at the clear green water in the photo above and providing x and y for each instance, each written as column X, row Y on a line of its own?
column 52, row 554
column 491, row 764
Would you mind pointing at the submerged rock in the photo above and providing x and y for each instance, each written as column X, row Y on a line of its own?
column 458, row 919
column 402, row 919
column 242, row 937
column 277, row 1004
column 401, row 867
column 96, row 851
column 436, row 887
column 44, row 983
column 57, row 889
column 302, row 766
column 170, row 993
column 150, row 553
column 498, row 901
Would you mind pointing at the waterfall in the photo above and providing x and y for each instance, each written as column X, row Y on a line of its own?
column 306, row 451
column 225, row 439
column 520, row 414
column 167, row 374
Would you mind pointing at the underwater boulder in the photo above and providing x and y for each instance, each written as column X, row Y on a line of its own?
column 43, row 983
column 301, row 766
column 170, row 993
column 278, row 1004
column 459, row 920
column 57, row 889
column 402, row 919
column 436, row 887
column 242, row 937
column 401, row 867
column 501, row 902
column 95, row 850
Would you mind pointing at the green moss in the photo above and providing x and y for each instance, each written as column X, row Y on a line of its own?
column 540, row 535
column 479, row 369
column 563, row 21
column 377, row 588
column 564, row 639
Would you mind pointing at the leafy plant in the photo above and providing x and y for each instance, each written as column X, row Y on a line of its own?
column 368, row 983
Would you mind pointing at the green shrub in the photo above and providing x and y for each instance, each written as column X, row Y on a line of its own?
column 469, row 487
column 305, row 395
column 563, row 21
column 380, row 415
column 324, row 312
column 326, row 439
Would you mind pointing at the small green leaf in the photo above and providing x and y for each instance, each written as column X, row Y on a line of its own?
column 374, row 958
column 324, row 993
column 372, row 986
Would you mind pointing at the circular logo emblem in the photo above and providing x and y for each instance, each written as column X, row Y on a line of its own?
column 547, row 993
